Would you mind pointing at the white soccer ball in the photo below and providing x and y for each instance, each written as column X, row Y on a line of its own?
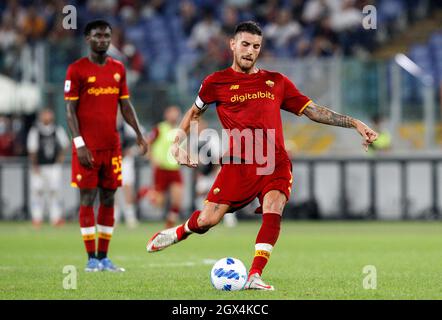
column 228, row 274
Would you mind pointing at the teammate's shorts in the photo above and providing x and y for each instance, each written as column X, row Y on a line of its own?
column 238, row 184
column 106, row 172
column 163, row 179
column 128, row 170
column 48, row 178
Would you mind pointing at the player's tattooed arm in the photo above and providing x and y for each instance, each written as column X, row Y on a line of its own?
column 324, row 115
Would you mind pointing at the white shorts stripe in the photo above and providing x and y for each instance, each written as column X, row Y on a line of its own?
column 88, row 230
column 264, row 246
column 105, row 229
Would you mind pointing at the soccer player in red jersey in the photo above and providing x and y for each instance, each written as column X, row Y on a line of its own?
column 95, row 85
column 250, row 99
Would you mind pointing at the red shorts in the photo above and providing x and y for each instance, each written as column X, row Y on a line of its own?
column 106, row 172
column 163, row 179
column 238, row 184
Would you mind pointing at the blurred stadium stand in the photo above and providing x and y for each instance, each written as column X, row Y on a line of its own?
column 169, row 46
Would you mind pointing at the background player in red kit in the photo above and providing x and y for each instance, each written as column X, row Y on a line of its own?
column 95, row 85
column 248, row 98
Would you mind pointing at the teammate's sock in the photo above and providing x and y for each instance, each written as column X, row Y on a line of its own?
column 105, row 228
column 87, row 227
column 172, row 217
column 265, row 240
column 192, row 224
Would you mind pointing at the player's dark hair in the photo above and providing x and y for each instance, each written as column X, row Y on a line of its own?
column 249, row 27
column 96, row 24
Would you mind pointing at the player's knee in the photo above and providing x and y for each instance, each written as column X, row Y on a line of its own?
column 108, row 199
column 87, row 198
column 274, row 202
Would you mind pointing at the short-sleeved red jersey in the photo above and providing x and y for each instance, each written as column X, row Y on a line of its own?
column 252, row 101
column 98, row 90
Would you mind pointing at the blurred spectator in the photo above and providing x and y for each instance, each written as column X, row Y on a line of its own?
column 347, row 18
column 204, row 30
column 33, row 25
column 8, row 34
column 7, row 137
column 325, row 40
column 229, row 20
column 314, row 10
column 47, row 144
column 126, row 196
column 20, row 132
column 188, row 15
column 167, row 178
column 216, row 56
column 135, row 63
column 281, row 34
column 297, row 8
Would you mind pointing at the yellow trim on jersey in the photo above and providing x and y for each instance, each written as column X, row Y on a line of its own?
column 305, row 106
column 71, row 98
column 74, row 185
column 124, row 97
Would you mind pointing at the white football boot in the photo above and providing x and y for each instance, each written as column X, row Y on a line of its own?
column 162, row 240
column 255, row 283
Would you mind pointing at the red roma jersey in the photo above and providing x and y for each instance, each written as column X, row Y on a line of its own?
column 252, row 101
column 98, row 90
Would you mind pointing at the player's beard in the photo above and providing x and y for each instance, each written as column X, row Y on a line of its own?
column 245, row 65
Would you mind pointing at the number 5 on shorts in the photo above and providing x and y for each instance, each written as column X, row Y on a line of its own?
column 116, row 162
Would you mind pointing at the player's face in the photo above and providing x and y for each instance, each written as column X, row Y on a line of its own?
column 47, row 117
column 99, row 39
column 246, row 48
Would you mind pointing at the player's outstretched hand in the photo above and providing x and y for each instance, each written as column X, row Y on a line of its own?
column 367, row 133
column 85, row 157
column 182, row 157
column 142, row 144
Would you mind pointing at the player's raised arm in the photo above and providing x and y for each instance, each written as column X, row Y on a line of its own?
column 128, row 113
column 324, row 115
column 84, row 155
column 181, row 156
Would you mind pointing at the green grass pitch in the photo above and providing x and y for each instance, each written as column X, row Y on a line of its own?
column 312, row 260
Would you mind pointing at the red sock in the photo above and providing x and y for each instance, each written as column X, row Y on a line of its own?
column 105, row 228
column 87, row 226
column 192, row 223
column 265, row 240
